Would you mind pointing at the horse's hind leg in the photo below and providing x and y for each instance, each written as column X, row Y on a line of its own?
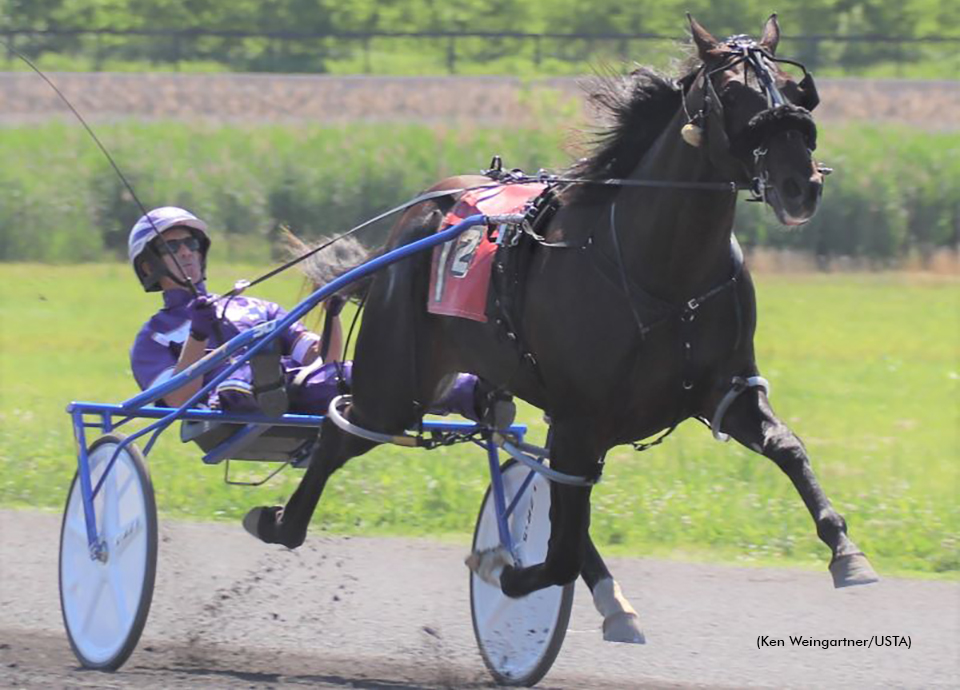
column 621, row 623
column 570, row 453
column 752, row 422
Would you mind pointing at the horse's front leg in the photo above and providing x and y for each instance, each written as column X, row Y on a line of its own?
column 752, row 422
column 621, row 623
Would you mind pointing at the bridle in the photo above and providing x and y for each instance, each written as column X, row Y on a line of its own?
column 707, row 122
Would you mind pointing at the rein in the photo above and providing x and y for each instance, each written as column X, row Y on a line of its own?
column 242, row 285
column 548, row 178
column 507, row 178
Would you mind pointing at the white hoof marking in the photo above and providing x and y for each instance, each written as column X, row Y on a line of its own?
column 621, row 623
column 488, row 564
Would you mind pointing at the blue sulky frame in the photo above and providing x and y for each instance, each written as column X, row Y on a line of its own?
column 239, row 350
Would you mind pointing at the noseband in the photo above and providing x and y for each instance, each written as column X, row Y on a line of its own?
column 765, row 123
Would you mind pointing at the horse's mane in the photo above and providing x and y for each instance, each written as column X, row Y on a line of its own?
column 637, row 107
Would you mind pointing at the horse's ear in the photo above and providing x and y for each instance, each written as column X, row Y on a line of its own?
column 706, row 44
column 771, row 35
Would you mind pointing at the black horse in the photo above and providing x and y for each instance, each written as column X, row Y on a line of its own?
column 644, row 317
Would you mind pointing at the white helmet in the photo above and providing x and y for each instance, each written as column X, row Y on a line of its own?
column 148, row 228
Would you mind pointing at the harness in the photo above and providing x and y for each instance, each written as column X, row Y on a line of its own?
column 516, row 245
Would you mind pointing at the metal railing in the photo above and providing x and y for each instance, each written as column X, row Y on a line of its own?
column 438, row 51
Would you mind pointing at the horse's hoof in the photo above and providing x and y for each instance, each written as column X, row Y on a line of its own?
column 623, row 627
column 264, row 523
column 488, row 564
column 852, row 569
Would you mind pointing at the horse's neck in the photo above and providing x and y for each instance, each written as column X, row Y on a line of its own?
column 675, row 242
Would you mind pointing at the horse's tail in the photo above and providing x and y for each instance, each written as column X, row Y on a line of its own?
column 332, row 262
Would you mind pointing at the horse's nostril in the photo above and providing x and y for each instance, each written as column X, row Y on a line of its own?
column 791, row 189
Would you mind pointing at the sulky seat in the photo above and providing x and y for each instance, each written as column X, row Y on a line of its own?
column 250, row 441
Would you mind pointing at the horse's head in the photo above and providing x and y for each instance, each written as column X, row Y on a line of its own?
column 753, row 116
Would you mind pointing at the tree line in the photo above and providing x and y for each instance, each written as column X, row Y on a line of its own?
column 876, row 20
column 899, row 18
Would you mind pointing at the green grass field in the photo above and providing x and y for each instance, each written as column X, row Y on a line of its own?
column 864, row 367
column 896, row 190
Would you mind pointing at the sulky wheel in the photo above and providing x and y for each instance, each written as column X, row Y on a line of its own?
column 105, row 601
column 519, row 638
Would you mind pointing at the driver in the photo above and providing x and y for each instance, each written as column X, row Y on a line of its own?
column 188, row 326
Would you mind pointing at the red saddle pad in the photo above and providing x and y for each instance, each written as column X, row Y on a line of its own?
column 460, row 271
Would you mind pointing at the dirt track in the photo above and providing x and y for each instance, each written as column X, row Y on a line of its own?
column 24, row 97
column 391, row 613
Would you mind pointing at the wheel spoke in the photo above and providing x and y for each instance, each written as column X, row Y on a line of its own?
column 76, row 528
column 89, row 617
column 119, row 598
column 494, row 614
column 126, row 485
column 72, row 584
column 111, row 504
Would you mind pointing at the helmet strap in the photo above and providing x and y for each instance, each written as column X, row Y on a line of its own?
column 159, row 269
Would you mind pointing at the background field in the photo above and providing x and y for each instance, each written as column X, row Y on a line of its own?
column 504, row 101
column 864, row 367
column 895, row 192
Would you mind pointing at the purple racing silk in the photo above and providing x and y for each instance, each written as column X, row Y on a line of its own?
column 157, row 348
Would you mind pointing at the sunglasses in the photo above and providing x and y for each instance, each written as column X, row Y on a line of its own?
column 173, row 246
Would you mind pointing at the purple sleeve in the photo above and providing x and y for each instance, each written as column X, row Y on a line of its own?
column 297, row 340
column 150, row 361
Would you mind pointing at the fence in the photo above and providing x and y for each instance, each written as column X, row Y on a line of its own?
column 446, row 52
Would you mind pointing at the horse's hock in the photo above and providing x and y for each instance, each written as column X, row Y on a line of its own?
column 486, row 100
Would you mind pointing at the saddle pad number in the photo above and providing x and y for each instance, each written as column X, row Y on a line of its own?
column 466, row 250
column 460, row 269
